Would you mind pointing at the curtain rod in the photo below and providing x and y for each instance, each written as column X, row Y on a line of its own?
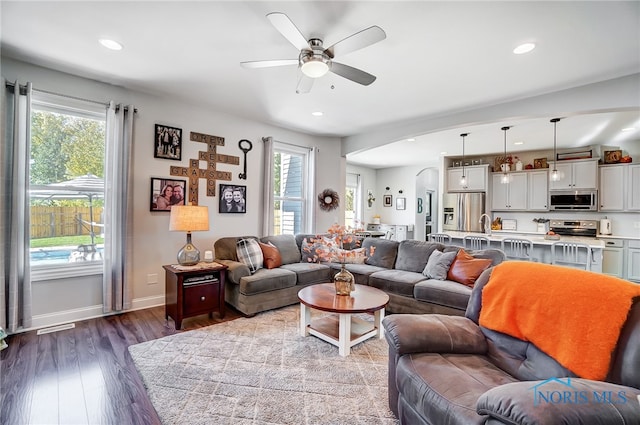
column 105, row 104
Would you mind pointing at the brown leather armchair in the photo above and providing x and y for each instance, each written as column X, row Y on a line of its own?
column 450, row 370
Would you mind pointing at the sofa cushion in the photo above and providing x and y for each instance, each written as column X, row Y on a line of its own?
column 442, row 292
column 225, row 248
column 466, row 269
column 360, row 272
column 314, row 250
column 249, row 253
column 426, row 382
column 348, row 256
column 308, row 273
column 265, row 280
column 399, row 282
column 438, row 265
column 287, row 246
column 381, row 252
column 413, row 255
column 271, row 254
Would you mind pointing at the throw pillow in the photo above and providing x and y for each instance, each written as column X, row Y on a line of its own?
column 348, row 256
column 465, row 268
column 250, row 254
column 315, row 251
column 438, row 264
column 271, row 254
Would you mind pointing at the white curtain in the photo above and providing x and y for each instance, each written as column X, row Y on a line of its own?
column 15, row 280
column 118, row 212
column 267, row 183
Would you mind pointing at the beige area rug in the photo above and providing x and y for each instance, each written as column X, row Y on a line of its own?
column 260, row 371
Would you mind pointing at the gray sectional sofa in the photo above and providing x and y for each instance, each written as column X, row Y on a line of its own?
column 395, row 267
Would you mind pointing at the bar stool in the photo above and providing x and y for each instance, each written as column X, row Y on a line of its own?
column 440, row 237
column 571, row 254
column 475, row 242
column 518, row 249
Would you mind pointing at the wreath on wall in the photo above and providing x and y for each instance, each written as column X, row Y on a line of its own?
column 328, row 200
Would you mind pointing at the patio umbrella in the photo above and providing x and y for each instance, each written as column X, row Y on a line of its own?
column 88, row 186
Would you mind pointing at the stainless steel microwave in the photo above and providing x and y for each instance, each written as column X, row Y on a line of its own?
column 573, row 200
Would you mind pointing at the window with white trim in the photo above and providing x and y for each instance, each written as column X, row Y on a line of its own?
column 66, row 186
column 291, row 190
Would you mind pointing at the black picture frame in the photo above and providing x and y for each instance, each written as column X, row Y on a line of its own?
column 167, row 142
column 387, row 200
column 158, row 186
column 233, row 199
column 401, row 203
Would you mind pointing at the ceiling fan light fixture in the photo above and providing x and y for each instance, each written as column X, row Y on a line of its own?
column 314, row 67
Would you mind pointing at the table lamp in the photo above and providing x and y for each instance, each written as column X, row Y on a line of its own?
column 188, row 218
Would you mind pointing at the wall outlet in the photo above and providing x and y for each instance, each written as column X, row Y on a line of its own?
column 152, row 278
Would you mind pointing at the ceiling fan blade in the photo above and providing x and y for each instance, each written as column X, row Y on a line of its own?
column 288, row 29
column 353, row 74
column 269, row 63
column 359, row 40
column 304, row 84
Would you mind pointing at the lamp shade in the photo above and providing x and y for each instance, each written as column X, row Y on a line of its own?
column 189, row 218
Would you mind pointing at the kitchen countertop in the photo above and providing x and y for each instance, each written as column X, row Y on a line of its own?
column 536, row 238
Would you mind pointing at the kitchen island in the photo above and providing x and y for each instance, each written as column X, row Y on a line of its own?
column 541, row 246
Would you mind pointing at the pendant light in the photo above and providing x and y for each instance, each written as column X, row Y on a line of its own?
column 505, row 166
column 463, row 178
column 555, row 175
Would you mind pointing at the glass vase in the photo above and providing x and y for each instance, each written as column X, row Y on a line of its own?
column 344, row 281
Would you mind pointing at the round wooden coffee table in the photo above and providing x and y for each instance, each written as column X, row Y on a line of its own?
column 342, row 328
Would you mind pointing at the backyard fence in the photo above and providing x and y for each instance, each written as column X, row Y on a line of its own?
column 48, row 222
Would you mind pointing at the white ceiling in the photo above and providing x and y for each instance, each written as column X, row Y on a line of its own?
column 438, row 57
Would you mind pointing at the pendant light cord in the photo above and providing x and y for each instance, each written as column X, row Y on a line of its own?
column 555, row 154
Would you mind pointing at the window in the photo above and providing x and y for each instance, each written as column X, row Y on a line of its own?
column 352, row 214
column 291, row 182
column 66, row 186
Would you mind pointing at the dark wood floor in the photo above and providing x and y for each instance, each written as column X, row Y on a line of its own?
column 84, row 375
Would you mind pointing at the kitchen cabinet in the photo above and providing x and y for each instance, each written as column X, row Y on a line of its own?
column 477, row 176
column 537, row 190
column 612, row 191
column 633, row 179
column 510, row 196
column 577, row 174
column 633, row 261
column 613, row 257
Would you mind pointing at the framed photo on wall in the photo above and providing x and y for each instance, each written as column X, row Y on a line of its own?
column 168, row 143
column 387, row 200
column 165, row 193
column 233, row 199
column 401, row 203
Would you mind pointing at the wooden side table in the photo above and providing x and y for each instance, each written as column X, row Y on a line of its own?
column 191, row 291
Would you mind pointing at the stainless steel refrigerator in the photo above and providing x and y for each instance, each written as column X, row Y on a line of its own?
column 462, row 211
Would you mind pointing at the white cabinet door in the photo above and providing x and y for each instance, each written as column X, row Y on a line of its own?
column 633, row 264
column 585, row 174
column 613, row 257
column 612, row 189
column 518, row 191
column 499, row 200
column 566, row 177
column 633, row 178
column 538, row 190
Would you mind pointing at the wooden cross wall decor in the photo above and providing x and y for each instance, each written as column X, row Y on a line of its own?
column 194, row 173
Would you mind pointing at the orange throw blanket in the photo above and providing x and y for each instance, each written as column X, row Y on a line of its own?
column 572, row 315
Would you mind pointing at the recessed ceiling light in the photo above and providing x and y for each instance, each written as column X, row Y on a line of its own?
column 524, row 48
column 110, row 44
column 518, row 143
column 411, row 139
column 628, row 129
column 443, row 153
column 317, row 113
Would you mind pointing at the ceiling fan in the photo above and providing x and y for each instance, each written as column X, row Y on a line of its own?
column 314, row 60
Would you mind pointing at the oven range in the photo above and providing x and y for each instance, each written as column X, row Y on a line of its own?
column 588, row 228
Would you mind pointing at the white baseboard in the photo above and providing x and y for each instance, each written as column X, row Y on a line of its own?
column 90, row 312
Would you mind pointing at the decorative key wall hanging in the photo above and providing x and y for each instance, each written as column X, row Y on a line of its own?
column 194, row 173
column 245, row 150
